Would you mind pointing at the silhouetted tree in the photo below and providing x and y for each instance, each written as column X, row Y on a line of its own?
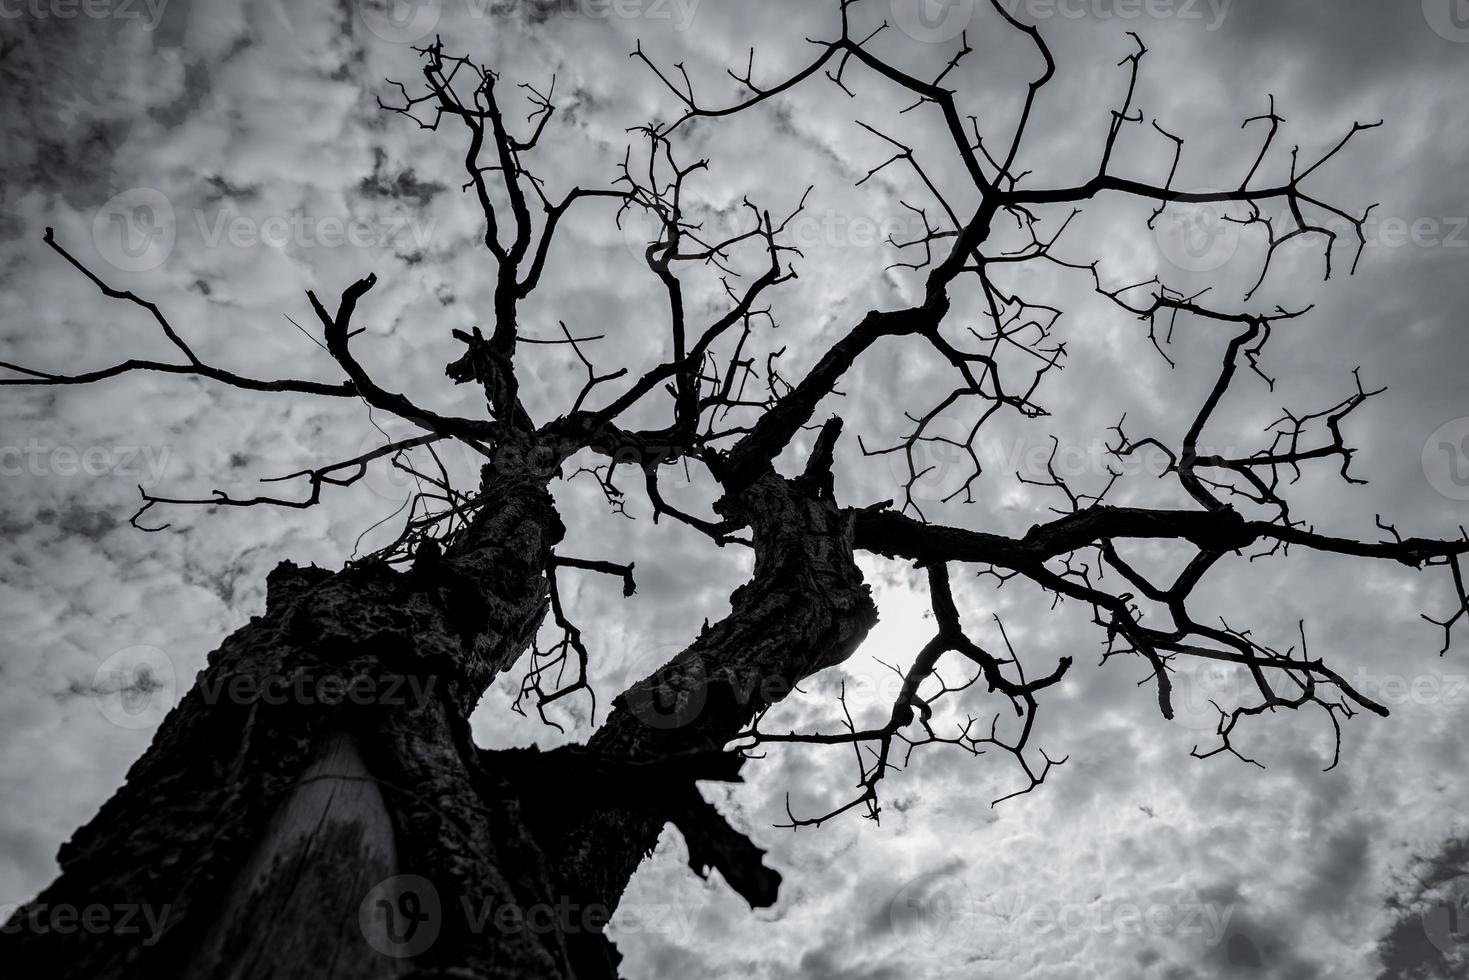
column 292, row 837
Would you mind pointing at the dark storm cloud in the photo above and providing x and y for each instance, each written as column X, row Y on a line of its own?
column 1429, row 935
column 402, row 185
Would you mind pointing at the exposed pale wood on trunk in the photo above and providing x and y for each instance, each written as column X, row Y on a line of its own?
column 292, row 911
column 193, row 808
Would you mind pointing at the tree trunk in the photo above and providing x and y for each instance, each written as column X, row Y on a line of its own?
column 805, row 609
column 369, row 837
column 362, row 682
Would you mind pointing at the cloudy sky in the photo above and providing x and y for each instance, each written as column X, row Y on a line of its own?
column 223, row 158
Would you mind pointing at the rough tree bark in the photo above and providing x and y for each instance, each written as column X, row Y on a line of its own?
column 208, row 824
column 804, row 609
column 267, row 829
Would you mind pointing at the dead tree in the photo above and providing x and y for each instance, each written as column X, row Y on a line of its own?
column 265, row 827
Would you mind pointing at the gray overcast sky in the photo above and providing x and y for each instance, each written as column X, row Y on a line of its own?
column 244, row 145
